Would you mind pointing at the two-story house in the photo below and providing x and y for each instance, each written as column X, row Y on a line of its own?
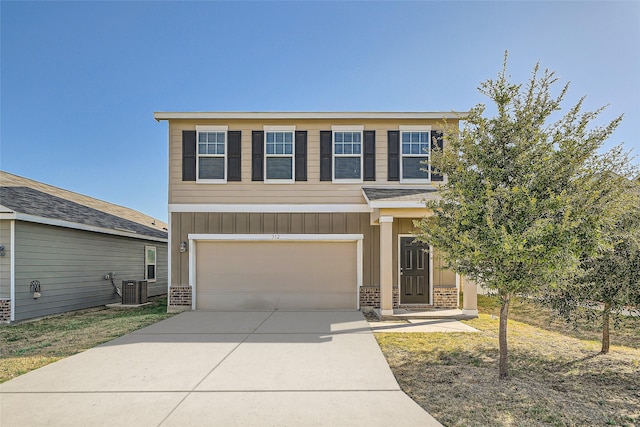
column 304, row 211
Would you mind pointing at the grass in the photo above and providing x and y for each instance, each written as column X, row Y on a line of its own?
column 30, row 345
column 558, row 377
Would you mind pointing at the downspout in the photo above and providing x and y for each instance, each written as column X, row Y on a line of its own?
column 12, row 275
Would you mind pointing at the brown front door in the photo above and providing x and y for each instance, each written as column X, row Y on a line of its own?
column 414, row 272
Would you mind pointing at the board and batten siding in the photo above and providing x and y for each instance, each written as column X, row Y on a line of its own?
column 311, row 191
column 71, row 266
column 183, row 224
column 5, row 261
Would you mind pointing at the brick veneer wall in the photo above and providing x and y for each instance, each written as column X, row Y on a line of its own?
column 5, row 310
column 446, row 297
column 370, row 298
column 180, row 296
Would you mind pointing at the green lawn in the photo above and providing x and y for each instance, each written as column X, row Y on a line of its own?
column 558, row 376
column 31, row 345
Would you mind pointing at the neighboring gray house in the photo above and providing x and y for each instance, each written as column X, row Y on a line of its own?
column 58, row 249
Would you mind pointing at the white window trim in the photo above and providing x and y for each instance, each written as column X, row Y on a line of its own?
column 291, row 129
column 210, row 128
column 347, row 128
column 155, row 264
column 195, row 238
column 411, row 128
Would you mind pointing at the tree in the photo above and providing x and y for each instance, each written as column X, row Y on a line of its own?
column 610, row 280
column 518, row 209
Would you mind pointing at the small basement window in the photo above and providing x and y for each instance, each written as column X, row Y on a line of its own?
column 150, row 263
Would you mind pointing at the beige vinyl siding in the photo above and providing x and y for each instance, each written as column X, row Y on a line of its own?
column 5, row 261
column 71, row 265
column 313, row 191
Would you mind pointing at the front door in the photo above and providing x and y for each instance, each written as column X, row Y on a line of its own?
column 414, row 271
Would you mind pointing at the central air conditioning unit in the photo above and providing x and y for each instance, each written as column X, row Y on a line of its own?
column 134, row 292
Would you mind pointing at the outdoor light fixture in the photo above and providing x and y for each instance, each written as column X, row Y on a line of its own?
column 183, row 246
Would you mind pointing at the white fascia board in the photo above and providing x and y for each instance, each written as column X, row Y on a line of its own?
column 386, row 204
column 364, row 194
column 4, row 209
column 256, row 208
column 8, row 215
column 161, row 115
column 84, row 227
column 277, row 237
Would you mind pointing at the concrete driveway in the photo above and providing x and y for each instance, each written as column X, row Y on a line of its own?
column 261, row 368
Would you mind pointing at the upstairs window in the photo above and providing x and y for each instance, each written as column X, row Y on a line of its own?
column 347, row 153
column 415, row 151
column 279, row 153
column 212, row 153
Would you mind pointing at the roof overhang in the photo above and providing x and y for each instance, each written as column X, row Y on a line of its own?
column 452, row 115
column 398, row 198
column 4, row 209
column 77, row 226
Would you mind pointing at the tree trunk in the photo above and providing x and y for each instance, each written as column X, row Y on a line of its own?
column 605, row 329
column 502, row 338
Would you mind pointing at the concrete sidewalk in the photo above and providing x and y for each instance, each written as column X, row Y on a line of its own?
column 225, row 369
column 422, row 325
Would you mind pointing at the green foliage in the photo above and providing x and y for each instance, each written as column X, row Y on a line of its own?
column 610, row 281
column 522, row 201
column 525, row 200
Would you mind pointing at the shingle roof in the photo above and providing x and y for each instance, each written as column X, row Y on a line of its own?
column 34, row 198
column 33, row 202
column 399, row 194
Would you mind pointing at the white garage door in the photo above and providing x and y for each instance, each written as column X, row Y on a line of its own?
column 276, row 275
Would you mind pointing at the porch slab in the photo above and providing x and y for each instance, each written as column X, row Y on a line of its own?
column 406, row 314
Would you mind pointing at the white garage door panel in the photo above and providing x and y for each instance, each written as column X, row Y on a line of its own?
column 269, row 275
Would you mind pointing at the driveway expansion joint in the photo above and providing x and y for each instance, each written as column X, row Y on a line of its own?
column 213, row 369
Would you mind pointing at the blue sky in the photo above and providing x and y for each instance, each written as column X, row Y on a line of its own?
column 80, row 80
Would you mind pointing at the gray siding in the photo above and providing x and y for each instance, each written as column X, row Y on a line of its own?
column 5, row 261
column 71, row 265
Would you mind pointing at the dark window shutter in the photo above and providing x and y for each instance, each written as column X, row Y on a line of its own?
column 257, row 155
column 188, row 155
column 234, row 147
column 393, row 155
column 436, row 143
column 326, row 146
column 301, row 155
column 369, row 155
